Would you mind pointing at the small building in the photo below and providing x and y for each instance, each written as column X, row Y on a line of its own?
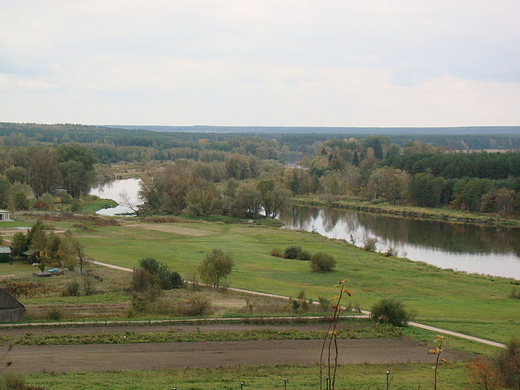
column 31, row 255
column 4, row 215
column 5, row 254
column 10, row 309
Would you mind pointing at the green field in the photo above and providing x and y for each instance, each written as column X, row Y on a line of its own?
column 474, row 304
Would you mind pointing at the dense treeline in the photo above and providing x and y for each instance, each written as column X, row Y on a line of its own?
column 237, row 174
column 451, row 166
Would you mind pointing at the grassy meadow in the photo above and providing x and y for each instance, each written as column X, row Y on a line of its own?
column 473, row 304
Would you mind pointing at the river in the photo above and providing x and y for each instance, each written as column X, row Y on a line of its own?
column 463, row 247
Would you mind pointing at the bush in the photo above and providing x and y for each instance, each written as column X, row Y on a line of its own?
column 54, row 314
column 167, row 279
column 198, row 306
column 390, row 311
column 174, row 280
column 304, row 255
column 370, row 243
column 322, row 262
column 508, row 365
column 72, row 289
column 291, row 252
column 515, row 294
column 276, row 252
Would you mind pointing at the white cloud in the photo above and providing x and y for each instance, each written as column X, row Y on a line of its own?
column 261, row 62
column 36, row 85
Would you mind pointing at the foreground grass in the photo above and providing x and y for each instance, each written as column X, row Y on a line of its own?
column 359, row 376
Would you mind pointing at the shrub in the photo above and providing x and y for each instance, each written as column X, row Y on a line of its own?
column 276, row 252
column 515, row 294
column 291, row 252
column 391, row 251
column 370, row 243
column 198, row 306
column 508, row 365
column 54, row 314
column 390, row 311
column 304, row 255
column 174, row 280
column 322, row 262
column 167, row 279
column 324, row 303
column 73, row 289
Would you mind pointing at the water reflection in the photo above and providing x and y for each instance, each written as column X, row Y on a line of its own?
column 114, row 190
column 481, row 249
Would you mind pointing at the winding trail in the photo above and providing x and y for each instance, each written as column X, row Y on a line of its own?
column 364, row 312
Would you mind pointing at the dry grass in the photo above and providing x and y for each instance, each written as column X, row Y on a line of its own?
column 180, row 230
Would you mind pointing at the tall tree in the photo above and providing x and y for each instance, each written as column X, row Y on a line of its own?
column 76, row 165
column 43, row 173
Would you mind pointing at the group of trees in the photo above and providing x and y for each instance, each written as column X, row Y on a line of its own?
column 200, row 188
column 47, row 247
column 67, row 171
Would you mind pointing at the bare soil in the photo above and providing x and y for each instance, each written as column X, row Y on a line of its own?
column 152, row 356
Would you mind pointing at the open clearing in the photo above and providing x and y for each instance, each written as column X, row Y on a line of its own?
column 180, row 230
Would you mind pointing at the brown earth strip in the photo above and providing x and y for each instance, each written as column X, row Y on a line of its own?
column 153, row 356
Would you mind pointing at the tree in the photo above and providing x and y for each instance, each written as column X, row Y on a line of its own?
column 43, row 174
column 18, row 244
column 390, row 311
column 4, row 190
column 274, row 196
column 37, row 236
column 217, row 265
column 16, row 174
column 238, row 167
column 76, row 165
column 247, row 201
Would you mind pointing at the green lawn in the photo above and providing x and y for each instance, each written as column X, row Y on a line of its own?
column 471, row 303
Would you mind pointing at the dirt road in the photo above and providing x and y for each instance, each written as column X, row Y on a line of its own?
column 151, row 356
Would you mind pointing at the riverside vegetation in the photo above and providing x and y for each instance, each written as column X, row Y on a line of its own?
column 479, row 305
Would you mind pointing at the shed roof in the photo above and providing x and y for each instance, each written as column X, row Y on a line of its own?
column 5, row 249
column 7, row 301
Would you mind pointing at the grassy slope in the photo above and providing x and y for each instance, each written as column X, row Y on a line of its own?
column 470, row 303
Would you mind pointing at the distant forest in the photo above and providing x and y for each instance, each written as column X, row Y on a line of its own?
column 239, row 173
column 295, row 139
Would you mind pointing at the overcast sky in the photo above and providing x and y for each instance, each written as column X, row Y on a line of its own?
column 269, row 63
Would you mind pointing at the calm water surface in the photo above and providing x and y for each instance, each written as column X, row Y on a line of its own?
column 475, row 249
column 114, row 190
column 471, row 248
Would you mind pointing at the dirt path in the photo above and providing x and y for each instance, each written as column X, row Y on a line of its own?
column 152, row 356
column 417, row 325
